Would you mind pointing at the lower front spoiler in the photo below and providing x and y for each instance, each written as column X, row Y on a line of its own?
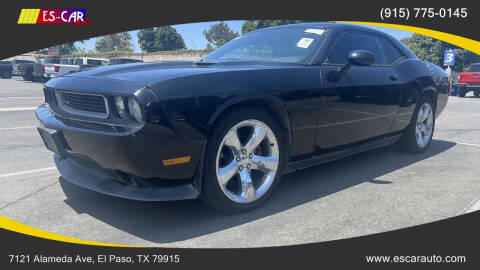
column 102, row 181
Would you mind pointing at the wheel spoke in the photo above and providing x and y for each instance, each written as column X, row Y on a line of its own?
column 426, row 138
column 248, row 191
column 232, row 141
column 226, row 173
column 258, row 134
column 420, row 115
column 262, row 163
column 420, row 138
column 426, row 113
column 424, row 129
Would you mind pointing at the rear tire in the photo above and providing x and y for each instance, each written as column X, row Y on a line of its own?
column 476, row 93
column 264, row 158
column 462, row 91
column 418, row 135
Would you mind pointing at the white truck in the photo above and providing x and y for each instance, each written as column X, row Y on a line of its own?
column 69, row 65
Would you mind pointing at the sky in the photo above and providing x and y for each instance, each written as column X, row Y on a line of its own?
column 192, row 34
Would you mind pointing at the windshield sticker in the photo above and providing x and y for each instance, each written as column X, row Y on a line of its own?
column 304, row 42
column 315, row 31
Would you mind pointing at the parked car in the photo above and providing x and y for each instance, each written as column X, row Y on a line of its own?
column 63, row 67
column 118, row 61
column 28, row 73
column 227, row 127
column 6, row 69
column 469, row 81
column 69, row 65
column 39, row 70
column 22, row 68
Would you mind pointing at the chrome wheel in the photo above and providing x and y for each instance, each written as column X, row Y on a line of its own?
column 424, row 125
column 247, row 161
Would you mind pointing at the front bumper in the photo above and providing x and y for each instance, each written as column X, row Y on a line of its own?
column 124, row 164
column 104, row 181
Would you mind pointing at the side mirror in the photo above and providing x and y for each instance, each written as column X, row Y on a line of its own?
column 354, row 58
column 360, row 58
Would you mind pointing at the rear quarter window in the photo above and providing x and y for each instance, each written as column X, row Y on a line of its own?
column 351, row 41
column 392, row 54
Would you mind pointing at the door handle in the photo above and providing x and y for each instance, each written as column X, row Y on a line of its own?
column 393, row 77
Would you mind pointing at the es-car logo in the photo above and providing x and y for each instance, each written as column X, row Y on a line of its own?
column 53, row 16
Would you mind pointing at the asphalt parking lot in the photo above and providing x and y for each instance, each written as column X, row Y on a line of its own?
column 372, row 192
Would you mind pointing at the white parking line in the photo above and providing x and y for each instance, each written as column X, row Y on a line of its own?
column 22, row 97
column 15, row 128
column 470, row 144
column 27, row 172
column 474, row 206
column 14, row 109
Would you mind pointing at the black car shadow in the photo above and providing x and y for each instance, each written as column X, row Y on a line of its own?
column 166, row 222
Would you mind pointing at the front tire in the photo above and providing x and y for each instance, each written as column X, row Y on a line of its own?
column 243, row 161
column 418, row 135
column 476, row 93
column 462, row 91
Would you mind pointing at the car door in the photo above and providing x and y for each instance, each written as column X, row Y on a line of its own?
column 362, row 103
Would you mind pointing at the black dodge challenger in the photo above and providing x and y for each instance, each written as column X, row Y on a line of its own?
column 227, row 127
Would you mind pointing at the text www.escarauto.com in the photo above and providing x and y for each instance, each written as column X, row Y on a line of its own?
column 416, row 259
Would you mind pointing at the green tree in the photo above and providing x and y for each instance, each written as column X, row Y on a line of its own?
column 114, row 42
column 219, row 34
column 431, row 50
column 253, row 25
column 65, row 49
column 167, row 39
column 163, row 38
column 146, row 39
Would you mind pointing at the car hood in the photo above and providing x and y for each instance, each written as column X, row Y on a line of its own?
column 131, row 77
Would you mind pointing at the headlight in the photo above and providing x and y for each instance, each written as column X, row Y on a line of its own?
column 135, row 111
column 120, row 106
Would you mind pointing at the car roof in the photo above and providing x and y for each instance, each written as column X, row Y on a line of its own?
column 331, row 25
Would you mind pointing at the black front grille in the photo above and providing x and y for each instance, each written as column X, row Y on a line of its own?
column 84, row 102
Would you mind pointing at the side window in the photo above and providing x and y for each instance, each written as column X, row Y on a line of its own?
column 78, row 62
column 392, row 54
column 94, row 62
column 356, row 41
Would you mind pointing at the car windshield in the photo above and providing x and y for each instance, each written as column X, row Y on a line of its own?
column 289, row 44
column 475, row 68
